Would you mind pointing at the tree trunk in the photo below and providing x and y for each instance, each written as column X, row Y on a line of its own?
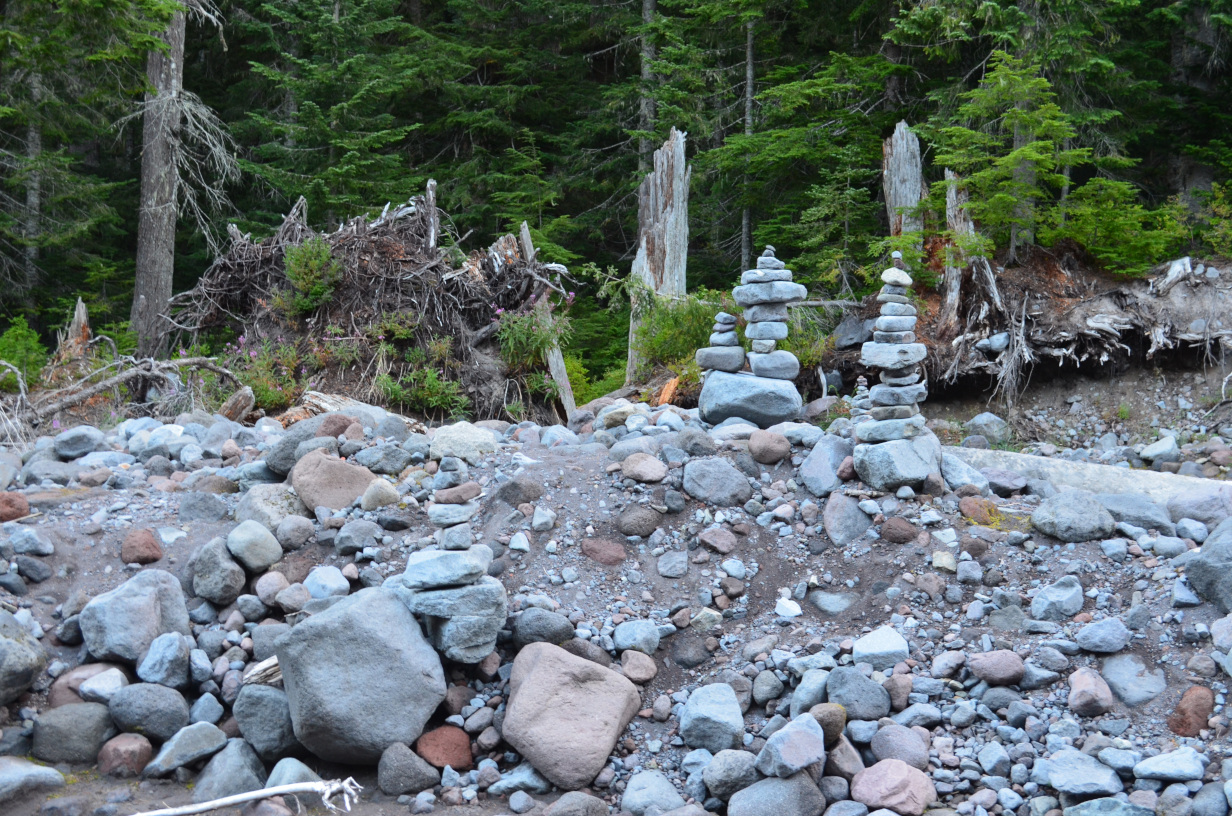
column 556, row 358
column 746, row 216
column 159, row 187
column 34, row 185
column 662, row 238
column 1022, row 229
column 958, row 222
column 902, row 172
column 646, row 118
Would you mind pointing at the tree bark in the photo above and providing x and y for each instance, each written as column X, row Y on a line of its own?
column 902, row 172
column 646, row 118
column 556, row 358
column 746, row 216
column 662, row 238
column 34, row 184
column 159, row 188
column 958, row 222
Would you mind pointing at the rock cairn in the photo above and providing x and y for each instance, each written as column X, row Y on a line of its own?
column 767, row 394
column 895, row 448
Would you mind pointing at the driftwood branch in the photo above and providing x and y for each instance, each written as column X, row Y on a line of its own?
column 328, row 790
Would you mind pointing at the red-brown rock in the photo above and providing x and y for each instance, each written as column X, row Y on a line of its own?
column 718, row 539
column 125, row 756
column 1192, row 712
column 457, row 495
column 447, row 745
column 977, row 508
column 334, row 425
column 13, row 506
column 846, row 469
column 141, row 547
column 899, row 531
column 604, row 550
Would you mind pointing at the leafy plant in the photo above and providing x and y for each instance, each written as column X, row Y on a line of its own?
column 268, row 368
column 672, row 331
column 526, row 337
column 427, row 391
column 1107, row 219
column 20, row 347
column 313, row 273
column 1123, row 412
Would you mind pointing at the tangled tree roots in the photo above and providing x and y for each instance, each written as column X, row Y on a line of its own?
column 393, row 264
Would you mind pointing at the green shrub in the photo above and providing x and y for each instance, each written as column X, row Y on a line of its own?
column 313, row 273
column 672, row 331
column 1216, row 216
column 20, row 347
column 1106, row 218
column 268, row 369
column 427, row 391
column 526, row 337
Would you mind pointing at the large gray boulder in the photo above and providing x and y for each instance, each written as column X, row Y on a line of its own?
column 819, row 470
column 891, row 465
column 281, row 457
column 19, row 777
column 22, row 659
column 77, row 442
column 269, row 505
column 650, row 791
column 843, row 519
column 121, row 624
column 1137, row 509
column 150, row 709
column 760, row 400
column 712, row 719
column 264, row 718
column 215, row 574
column 359, row 677
column 233, row 770
column 990, row 426
column 958, row 473
column 795, row 796
column 72, row 733
column 1073, row 516
column 1209, row 506
column 1210, row 571
column 716, row 481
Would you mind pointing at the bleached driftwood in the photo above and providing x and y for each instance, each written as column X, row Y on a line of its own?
column 902, row 178
column 348, row 789
column 662, row 237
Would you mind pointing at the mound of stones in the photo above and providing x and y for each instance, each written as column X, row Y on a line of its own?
column 708, row 617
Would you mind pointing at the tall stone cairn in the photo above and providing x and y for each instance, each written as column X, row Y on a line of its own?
column 766, row 395
column 895, row 448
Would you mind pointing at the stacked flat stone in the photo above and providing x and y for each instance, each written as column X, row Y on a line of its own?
column 725, row 352
column 861, row 405
column 895, row 448
column 766, row 395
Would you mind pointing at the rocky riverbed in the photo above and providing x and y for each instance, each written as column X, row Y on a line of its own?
column 635, row 613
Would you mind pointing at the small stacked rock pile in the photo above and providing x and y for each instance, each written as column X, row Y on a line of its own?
column 861, row 405
column 895, row 449
column 768, row 395
column 453, row 504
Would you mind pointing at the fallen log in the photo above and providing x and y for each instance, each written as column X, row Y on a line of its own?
column 1085, row 475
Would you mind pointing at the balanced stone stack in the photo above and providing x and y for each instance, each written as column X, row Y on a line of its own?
column 767, row 394
column 861, row 405
column 894, row 449
column 725, row 352
column 461, row 607
column 453, row 504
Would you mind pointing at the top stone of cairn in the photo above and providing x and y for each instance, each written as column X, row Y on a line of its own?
column 895, row 277
column 768, row 261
